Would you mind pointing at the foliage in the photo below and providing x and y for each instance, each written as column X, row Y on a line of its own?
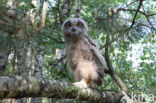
column 142, row 36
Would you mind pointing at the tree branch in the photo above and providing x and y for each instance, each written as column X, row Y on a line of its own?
column 134, row 10
column 59, row 13
column 58, row 61
column 78, row 10
column 111, row 70
column 122, row 32
column 18, row 87
column 130, row 3
column 147, row 17
column 133, row 22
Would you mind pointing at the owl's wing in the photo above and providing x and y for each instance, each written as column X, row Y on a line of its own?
column 95, row 50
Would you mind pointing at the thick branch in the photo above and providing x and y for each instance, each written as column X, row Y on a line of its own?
column 18, row 87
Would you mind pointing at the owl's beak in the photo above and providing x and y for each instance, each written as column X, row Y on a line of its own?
column 73, row 28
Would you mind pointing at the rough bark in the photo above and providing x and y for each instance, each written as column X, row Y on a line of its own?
column 65, row 10
column 33, row 87
column 19, row 63
column 4, row 52
column 39, row 61
column 6, row 28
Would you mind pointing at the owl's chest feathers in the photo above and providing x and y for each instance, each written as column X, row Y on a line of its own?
column 78, row 51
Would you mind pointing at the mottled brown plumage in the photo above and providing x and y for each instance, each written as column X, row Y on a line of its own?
column 84, row 56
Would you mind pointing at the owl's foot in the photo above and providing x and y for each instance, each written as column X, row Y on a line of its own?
column 81, row 84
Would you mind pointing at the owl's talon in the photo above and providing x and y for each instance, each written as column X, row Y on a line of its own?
column 80, row 84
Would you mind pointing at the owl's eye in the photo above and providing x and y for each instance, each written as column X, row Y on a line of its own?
column 68, row 24
column 79, row 24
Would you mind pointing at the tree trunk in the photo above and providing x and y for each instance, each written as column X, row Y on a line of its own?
column 4, row 51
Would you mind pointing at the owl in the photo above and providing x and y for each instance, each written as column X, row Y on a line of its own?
column 86, row 62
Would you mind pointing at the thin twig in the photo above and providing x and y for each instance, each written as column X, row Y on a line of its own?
column 54, row 65
column 134, row 10
column 147, row 17
column 130, row 3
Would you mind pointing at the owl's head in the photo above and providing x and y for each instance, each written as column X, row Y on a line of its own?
column 74, row 27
